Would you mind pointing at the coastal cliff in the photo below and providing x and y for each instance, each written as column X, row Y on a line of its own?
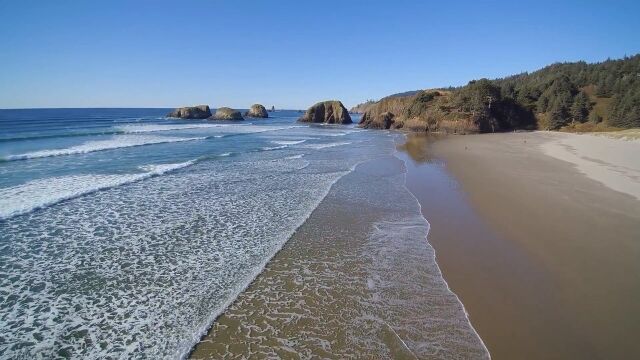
column 565, row 96
column 476, row 108
column 328, row 112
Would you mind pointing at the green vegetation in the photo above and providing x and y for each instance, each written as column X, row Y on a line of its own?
column 361, row 108
column 570, row 92
column 602, row 96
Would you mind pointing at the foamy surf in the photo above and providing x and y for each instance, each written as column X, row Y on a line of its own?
column 329, row 145
column 37, row 194
column 116, row 142
column 379, row 295
column 135, row 129
column 167, row 254
column 288, row 142
column 270, row 148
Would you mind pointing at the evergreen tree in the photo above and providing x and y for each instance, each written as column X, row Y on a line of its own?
column 625, row 112
column 557, row 116
column 580, row 107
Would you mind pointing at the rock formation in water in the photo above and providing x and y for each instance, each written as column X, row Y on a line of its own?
column 191, row 112
column 377, row 121
column 257, row 111
column 225, row 113
column 328, row 112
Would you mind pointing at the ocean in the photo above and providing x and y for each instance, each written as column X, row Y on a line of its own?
column 126, row 234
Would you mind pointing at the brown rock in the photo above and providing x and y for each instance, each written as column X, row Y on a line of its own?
column 257, row 111
column 225, row 113
column 377, row 121
column 328, row 112
column 191, row 112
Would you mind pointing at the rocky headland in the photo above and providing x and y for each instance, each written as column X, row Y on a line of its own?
column 478, row 107
column 573, row 97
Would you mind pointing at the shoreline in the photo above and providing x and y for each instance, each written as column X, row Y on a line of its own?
column 351, row 282
column 405, row 161
column 204, row 330
column 525, row 241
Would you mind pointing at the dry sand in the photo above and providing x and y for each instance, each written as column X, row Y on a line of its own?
column 540, row 238
column 614, row 162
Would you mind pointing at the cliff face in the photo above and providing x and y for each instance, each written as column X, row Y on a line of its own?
column 377, row 121
column 571, row 96
column 478, row 107
column 328, row 112
column 191, row 112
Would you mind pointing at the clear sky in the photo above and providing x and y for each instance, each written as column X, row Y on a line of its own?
column 117, row 53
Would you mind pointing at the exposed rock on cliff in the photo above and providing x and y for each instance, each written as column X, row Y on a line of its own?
column 377, row 121
column 329, row 112
column 191, row 112
column 257, row 111
column 225, row 113
column 477, row 107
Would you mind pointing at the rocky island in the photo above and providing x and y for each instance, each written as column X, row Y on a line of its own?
column 328, row 112
column 191, row 112
column 257, row 111
column 225, row 113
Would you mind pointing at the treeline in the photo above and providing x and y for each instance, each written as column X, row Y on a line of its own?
column 561, row 94
column 601, row 94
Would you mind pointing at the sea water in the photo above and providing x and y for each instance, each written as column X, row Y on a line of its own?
column 125, row 234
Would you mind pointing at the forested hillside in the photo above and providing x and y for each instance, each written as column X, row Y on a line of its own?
column 576, row 95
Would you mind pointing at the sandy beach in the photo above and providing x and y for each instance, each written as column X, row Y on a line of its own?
column 540, row 238
column 357, row 280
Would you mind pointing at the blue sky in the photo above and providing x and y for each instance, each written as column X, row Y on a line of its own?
column 112, row 53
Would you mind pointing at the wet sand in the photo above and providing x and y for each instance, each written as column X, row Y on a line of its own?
column 545, row 259
column 358, row 280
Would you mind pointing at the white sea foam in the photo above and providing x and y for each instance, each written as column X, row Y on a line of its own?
column 299, row 156
column 41, row 193
column 288, row 142
column 144, row 269
column 269, row 148
column 167, row 255
column 324, row 146
column 116, row 142
column 471, row 338
column 145, row 128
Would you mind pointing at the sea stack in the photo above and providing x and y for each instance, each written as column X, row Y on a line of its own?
column 377, row 121
column 257, row 111
column 328, row 112
column 225, row 113
column 191, row 112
